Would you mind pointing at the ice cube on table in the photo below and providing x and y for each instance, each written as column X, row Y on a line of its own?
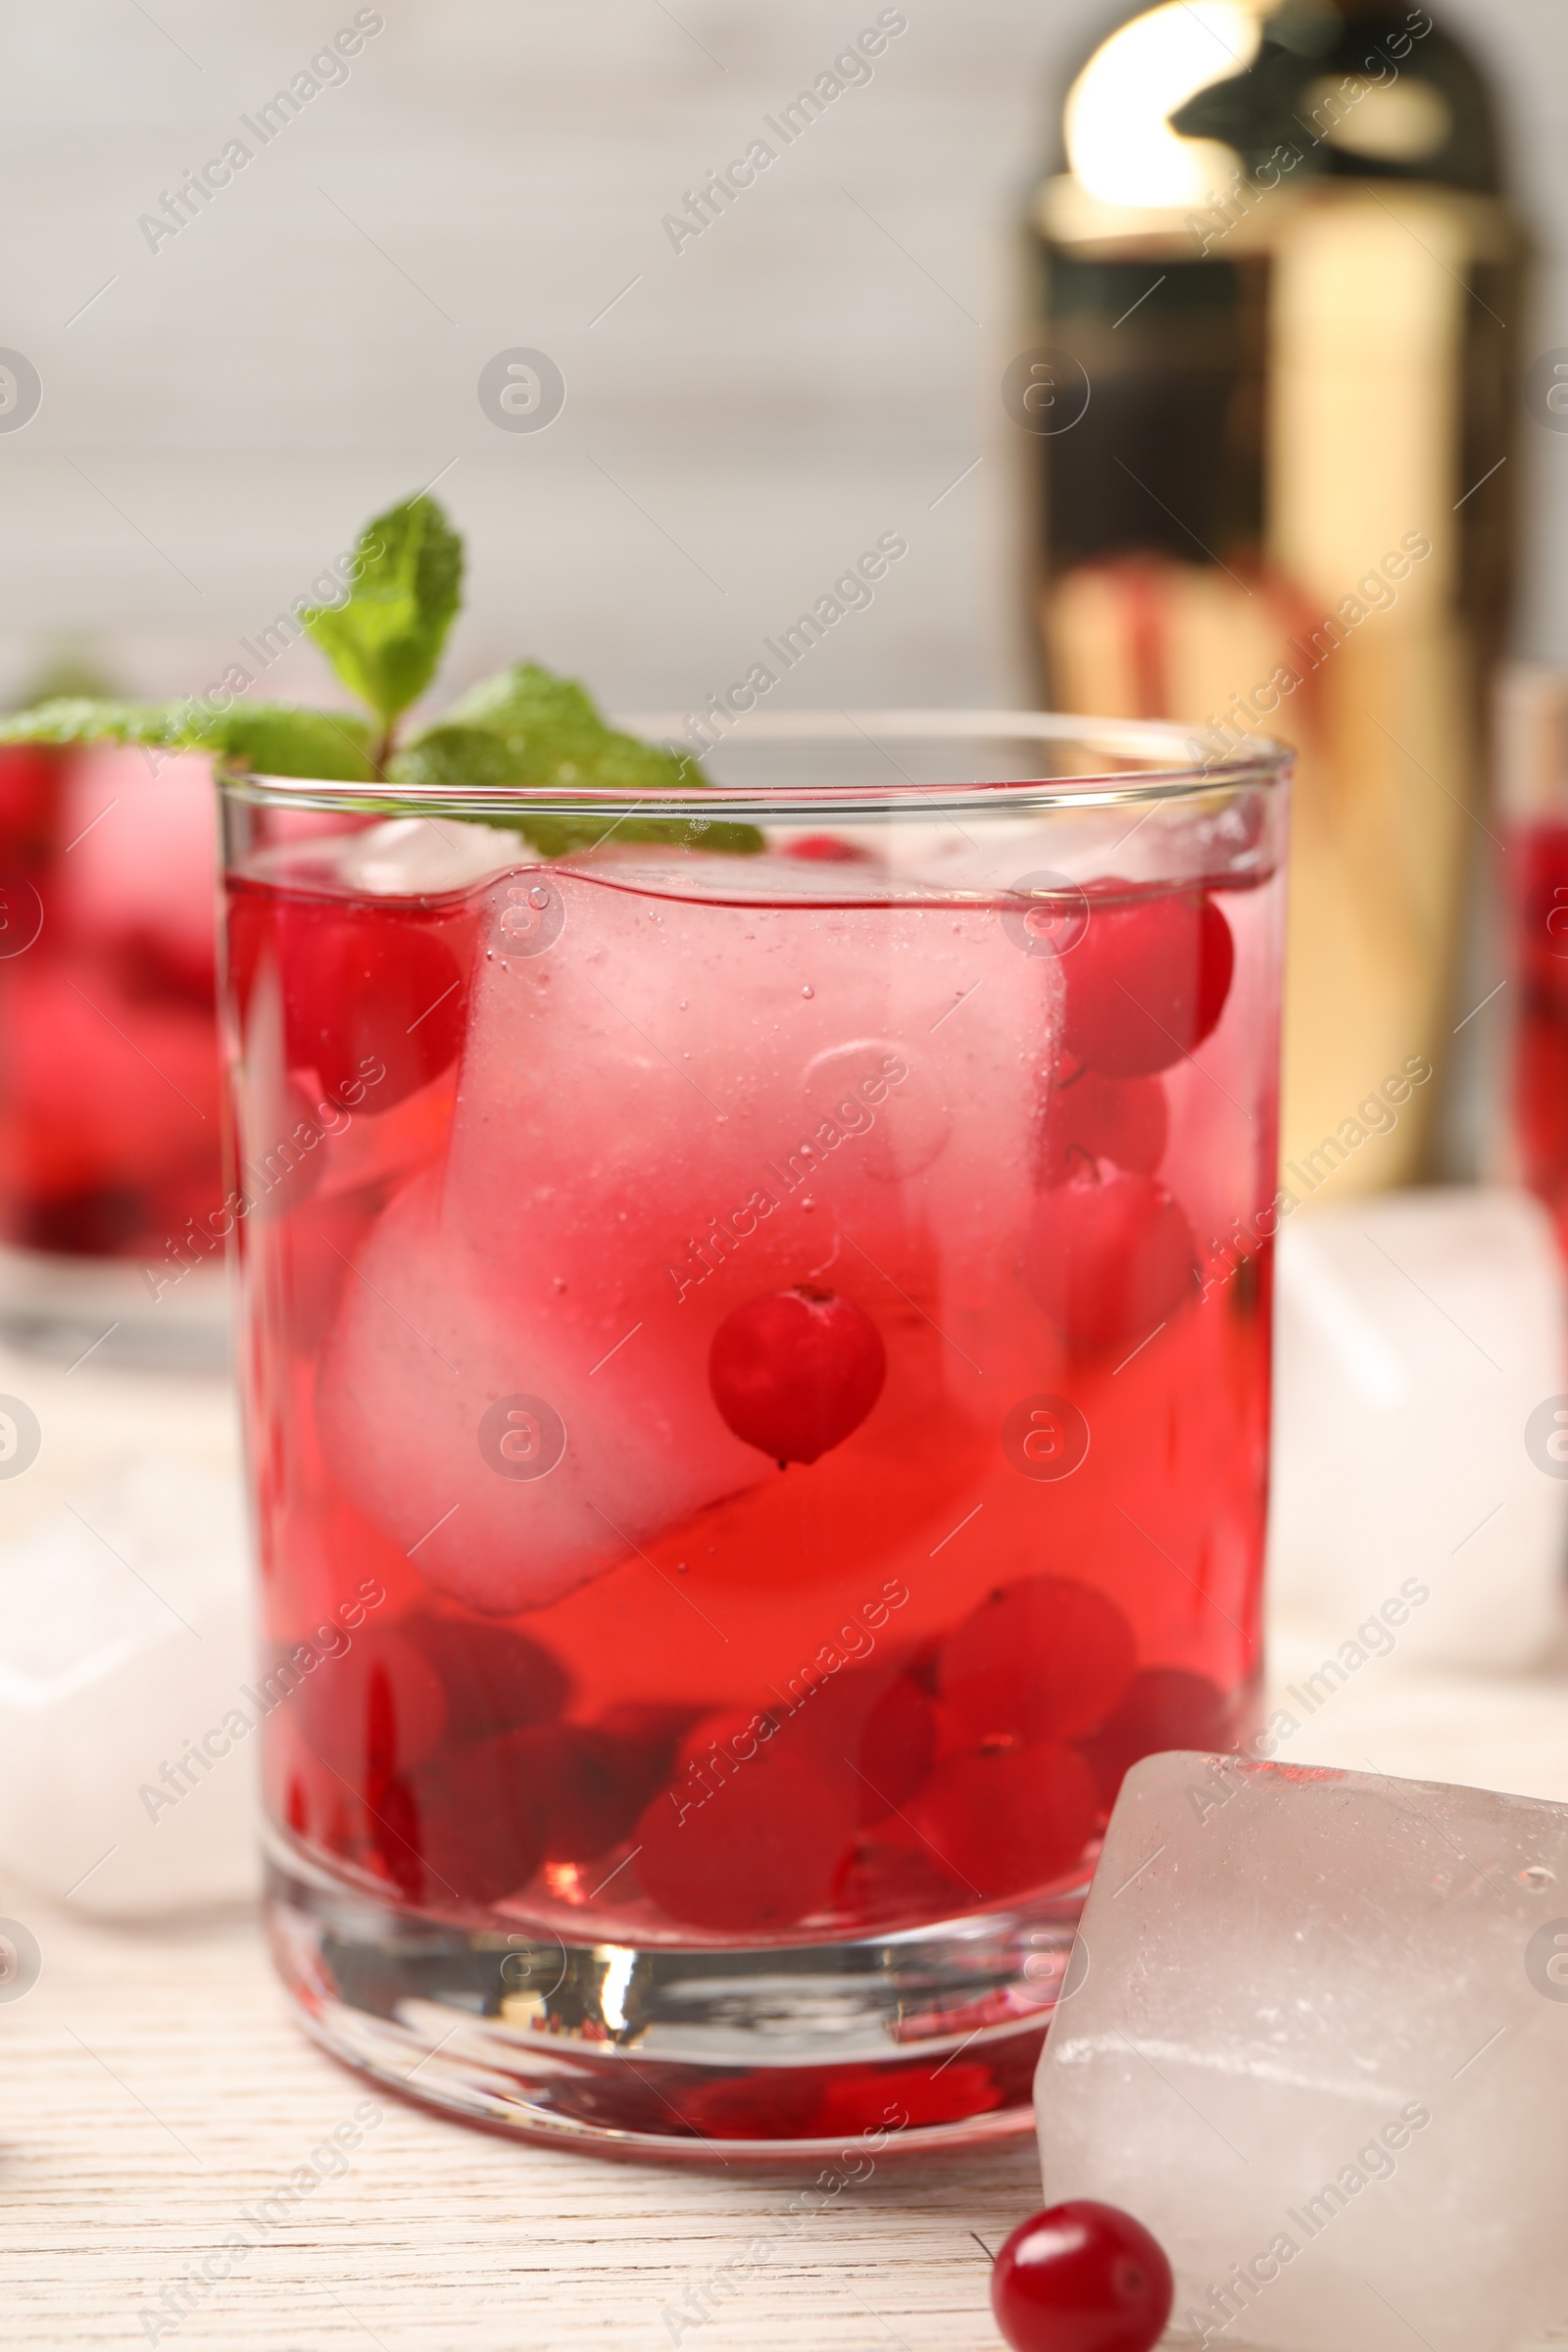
column 1315, row 2037
column 126, row 1782
column 666, row 1107
column 1418, row 1336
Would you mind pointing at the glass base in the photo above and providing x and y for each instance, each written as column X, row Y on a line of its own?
column 72, row 1309
column 909, row 2042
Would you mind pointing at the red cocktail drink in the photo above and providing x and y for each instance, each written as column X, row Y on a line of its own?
column 758, row 1388
column 1539, row 886
column 109, row 1119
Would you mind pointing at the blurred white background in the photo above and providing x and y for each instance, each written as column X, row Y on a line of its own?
column 816, row 370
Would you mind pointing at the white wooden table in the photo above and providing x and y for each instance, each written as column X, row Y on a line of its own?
column 153, row 2090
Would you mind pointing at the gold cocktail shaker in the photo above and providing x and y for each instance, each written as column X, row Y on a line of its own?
column 1275, row 313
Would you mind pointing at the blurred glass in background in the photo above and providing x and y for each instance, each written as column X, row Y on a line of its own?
column 1532, row 765
column 110, row 1146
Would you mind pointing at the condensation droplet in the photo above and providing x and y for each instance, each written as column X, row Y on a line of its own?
column 807, row 990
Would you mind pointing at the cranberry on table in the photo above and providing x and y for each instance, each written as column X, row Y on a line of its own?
column 794, row 1372
column 1109, row 1255
column 1041, row 1658
column 1081, row 2276
column 1148, row 981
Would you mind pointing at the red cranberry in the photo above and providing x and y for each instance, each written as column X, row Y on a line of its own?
column 479, row 1831
column 1166, row 1707
column 794, row 1372
column 372, row 1710
column 1092, row 1117
column 897, row 1744
column 774, row 2103
column 1082, row 2278
column 589, row 1784
column 896, row 1876
column 364, row 995
column 1044, row 1658
column 857, row 2100
column 872, row 1736
column 1109, row 1255
column 296, row 1806
column 395, row 1838
column 749, row 1840
column 828, row 848
column 496, row 1680
column 1148, row 981
column 1005, row 1818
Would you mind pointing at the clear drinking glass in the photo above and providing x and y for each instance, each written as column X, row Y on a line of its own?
column 111, row 1160
column 756, row 1338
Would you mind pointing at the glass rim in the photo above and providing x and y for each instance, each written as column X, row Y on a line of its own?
column 1181, row 763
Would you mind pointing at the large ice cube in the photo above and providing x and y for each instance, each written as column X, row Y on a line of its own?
column 668, row 1106
column 1420, row 1339
column 414, row 854
column 513, row 1449
column 1318, row 2044
column 127, row 1783
column 647, row 1063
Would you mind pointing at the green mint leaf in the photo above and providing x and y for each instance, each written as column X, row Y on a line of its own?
column 276, row 739
column 269, row 738
column 385, row 641
column 528, row 704
column 78, row 718
column 528, row 730
column 460, row 756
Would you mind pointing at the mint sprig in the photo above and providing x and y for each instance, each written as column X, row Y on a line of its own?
column 385, row 640
column 526, row 729
column 273, row 738
column 77, row 719
column 280, row 738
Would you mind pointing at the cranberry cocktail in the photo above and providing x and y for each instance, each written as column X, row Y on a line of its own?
column 757, row 1383
column 108, row 1114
